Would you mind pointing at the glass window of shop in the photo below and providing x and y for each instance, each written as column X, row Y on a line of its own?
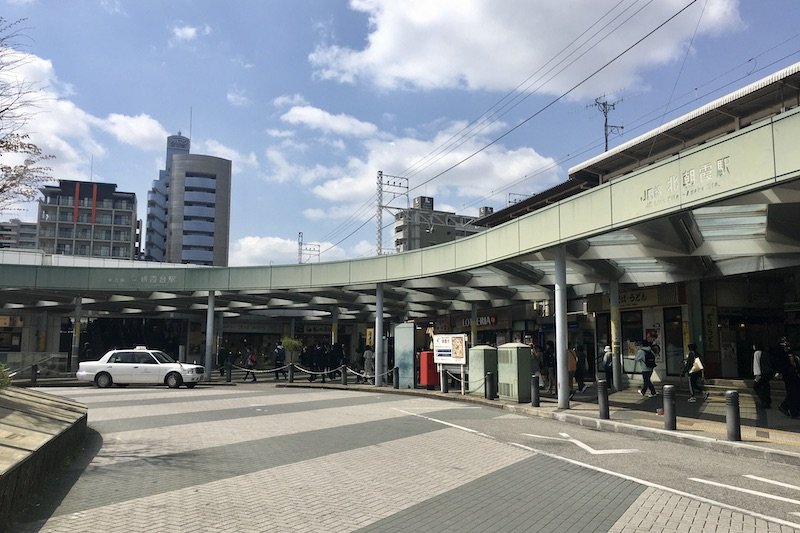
column 632, row 331
column 673, row 340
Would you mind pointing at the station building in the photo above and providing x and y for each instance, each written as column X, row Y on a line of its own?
column 688, row 233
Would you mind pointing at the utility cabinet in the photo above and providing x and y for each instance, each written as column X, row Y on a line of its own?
column 514, row 372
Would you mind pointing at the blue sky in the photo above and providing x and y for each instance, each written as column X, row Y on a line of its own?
column 471, row 100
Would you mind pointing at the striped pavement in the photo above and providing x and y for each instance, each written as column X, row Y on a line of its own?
column 264, row 459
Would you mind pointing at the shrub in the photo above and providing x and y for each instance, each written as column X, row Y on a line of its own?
column 5, row 379
column 292, row 345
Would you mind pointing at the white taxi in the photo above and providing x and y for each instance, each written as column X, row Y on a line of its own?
column 140, row 365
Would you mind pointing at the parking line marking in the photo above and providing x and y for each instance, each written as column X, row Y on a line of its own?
column 771, row 481
column 746, row 491
column 456, row 426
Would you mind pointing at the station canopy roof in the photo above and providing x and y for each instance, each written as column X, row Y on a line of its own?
column 754, row 232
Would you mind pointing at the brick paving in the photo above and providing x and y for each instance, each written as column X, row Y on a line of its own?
column 261, row 459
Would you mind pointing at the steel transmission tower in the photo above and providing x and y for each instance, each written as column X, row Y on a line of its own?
column 396, row 186
column 303, row 249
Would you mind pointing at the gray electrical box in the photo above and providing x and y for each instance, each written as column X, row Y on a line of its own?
column 482, row 359
column 514, row 371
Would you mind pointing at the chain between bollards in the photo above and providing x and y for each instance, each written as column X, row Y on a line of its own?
column 535, row 390
column 732, row 420
column 670, row 422
column 602, row 399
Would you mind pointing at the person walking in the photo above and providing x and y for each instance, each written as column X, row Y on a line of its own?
column 250, row 364
column 369, row 363
column 693, row 366
column 536, row 362
column 580, row 368
column 608, row 367
column 280, row 361
column 790, row 371
column 549, row 359
column 645, row 358
column 572, row 365
column 762, row 374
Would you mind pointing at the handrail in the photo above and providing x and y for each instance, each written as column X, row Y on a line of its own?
column 38, row 363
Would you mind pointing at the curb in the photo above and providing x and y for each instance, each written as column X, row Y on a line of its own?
column 741, row 449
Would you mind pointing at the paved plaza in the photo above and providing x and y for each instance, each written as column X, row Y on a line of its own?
column 264, row 458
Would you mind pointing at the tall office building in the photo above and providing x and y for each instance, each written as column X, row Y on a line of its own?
column 188, row 208
column 88, row 219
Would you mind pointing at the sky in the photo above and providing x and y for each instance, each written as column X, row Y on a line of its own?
column 472, row 102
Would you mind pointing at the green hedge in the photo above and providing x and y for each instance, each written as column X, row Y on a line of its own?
column 5, row 380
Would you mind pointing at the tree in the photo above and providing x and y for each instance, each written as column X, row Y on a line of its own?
column 21, row 172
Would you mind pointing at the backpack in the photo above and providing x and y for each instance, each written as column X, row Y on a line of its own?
column 280, row 354
column 649, row 359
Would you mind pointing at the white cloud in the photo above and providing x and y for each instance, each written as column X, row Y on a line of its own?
column 489, row 45
column 236, row 97
column 239, row 160
column 188, row 33
column 282, row 170
column 341, row 124
column 254, row 250
column 142, row 131
column 280, row 134
column 289, row 100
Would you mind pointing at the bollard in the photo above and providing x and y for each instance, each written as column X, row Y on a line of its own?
column 490, row 392
column 228, row 371
column 396, row 377
column 291, row 372
column 732, row 420
column 670, row 422
column 343, row 368
column 535, row 390
column 444, row 379
column 34, row 374
column 602, row 399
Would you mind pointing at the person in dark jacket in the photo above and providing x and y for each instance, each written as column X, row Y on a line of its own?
column 647, row 372
column 790, row 371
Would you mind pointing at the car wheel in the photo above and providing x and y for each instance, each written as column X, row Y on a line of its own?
column 173, row 380
column 190, row 385
column 103, row 380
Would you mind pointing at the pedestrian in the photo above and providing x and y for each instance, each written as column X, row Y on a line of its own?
column 608, row 366
column 790, row 371
column 280, row 361
column 580, row 368
column 645, row 358
column 251, row 360
column 536, row 362
column 549, row 358
column 572, row 364
column 762, row 374
column 369, row 363
column 693, row 366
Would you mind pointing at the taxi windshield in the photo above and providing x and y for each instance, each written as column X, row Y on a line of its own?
column 162, row 357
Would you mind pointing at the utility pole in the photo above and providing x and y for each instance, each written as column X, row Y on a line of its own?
column 606, row 107
column 304, row 249
column 396, row 186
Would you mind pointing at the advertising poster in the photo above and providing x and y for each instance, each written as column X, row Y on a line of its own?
column 450, row 349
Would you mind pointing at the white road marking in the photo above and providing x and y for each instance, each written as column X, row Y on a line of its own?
column 566, row 438
column 660, row 487
column 771, row 481
column 456, row 426
column 746, row 491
